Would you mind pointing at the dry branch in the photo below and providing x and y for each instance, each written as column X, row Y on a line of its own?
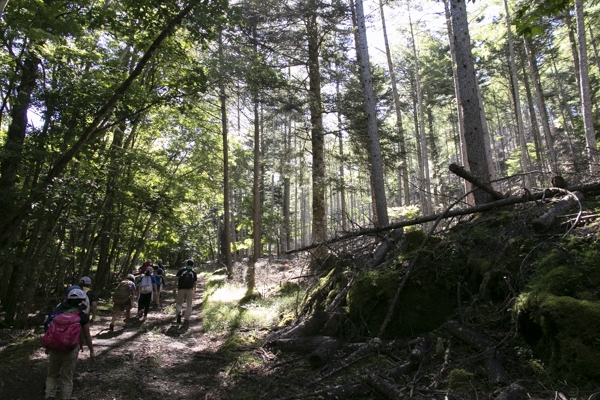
column 509, row 201
column 466, row 175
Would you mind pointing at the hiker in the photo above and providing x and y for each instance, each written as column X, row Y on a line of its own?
column 160, row 281
column 160, row 265
column 64, row 305
column 145, row 266
column 123, row 300
column 64, row 344
column 145, row 290
column 86, row 286
column 186, row 288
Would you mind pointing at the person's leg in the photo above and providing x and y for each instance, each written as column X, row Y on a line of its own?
column 53, row 374
column 147, row 304
column 67, row 370
column 189, row 297
column 127, row 313
column 179, row 302
column 140, row 310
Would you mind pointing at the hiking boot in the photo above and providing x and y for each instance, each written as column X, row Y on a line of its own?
column 178, row 318
column 111, row 327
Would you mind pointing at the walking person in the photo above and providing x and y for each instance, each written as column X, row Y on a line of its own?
column 123, row 300
column 86, row 286
column 186, row 288
column 62, row 340
column 145, row 290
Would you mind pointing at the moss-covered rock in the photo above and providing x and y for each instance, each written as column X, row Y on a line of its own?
column 422, row 306
column 567, row 334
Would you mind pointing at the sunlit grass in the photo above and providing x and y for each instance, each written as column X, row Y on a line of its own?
column 223, row 312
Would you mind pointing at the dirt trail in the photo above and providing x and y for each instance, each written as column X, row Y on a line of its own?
column 155, row 358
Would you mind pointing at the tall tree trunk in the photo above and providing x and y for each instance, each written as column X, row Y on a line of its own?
column 226, row 200
column 541, row 104
column 12, row 157
column 517, row 101
column 469, row 98
column 584, row 88
column 461, row 126
column 403, row 187
column 256, row 222
column 319, row 223
column 370, row 109
column 424, row 185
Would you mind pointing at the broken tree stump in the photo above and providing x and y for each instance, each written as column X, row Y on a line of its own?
column 384, row 247
column 561, row 207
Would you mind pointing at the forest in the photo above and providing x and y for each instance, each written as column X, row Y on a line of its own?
column 369, row 144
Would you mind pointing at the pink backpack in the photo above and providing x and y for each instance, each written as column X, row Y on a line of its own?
column 64, row 332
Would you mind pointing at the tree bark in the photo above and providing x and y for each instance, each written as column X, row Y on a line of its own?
column 322, row 354
column 584, row 88
column 525, row 165
column 469, row 98
column 319, row 223
column 226, row 199
column 401, row 142
column 370, row 109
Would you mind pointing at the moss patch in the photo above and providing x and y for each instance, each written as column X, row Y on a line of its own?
column 422, row 306
column 568, row 338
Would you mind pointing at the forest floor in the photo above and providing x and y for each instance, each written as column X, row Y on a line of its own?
column 158, row 358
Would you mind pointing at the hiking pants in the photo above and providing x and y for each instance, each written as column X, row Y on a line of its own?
column 144, row 303
column 61, row 366
column 188, row 295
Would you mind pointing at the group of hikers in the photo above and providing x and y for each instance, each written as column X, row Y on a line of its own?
column 67, row 328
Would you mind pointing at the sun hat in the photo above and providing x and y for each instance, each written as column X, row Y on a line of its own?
column 86, row 280
column 76, row 294
column 149, row 270
column 131, row 277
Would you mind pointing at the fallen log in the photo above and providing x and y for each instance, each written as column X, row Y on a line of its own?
column 364, row 350
column 513, row 392
column 561, row 207
column 309, row 327
column 384, row 247
column 466, row 175
column 322, row 354
column 383, row 386
column 402, row 369
column 495, row 370
column 593, row 188
column 299, row 345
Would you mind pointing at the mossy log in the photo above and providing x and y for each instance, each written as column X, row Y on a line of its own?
column 322, row 354
column 383, row 386
column 561, row 207
column 494, row 369
column 299, row 345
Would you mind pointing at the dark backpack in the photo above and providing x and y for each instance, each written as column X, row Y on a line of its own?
column 64, row 332
column 123, row 293
column 186, row 279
